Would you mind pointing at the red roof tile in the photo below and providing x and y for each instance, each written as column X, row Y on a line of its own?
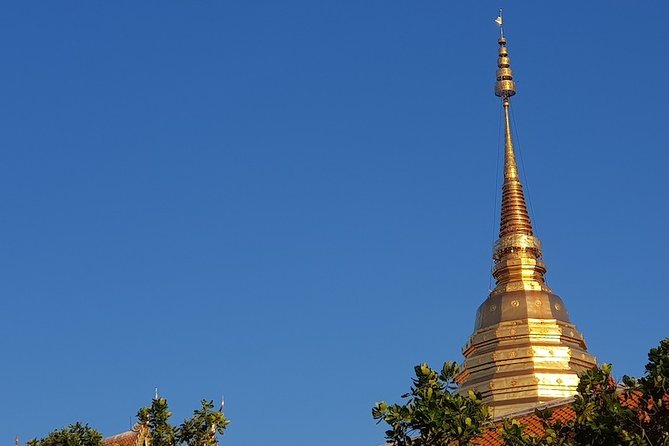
column 563, row 412
column 123, row 439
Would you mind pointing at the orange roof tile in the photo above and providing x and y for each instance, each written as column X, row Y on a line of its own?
column 123, row 439
column 561, row 411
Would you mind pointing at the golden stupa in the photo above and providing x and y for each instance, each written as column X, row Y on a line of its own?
column 524, row 350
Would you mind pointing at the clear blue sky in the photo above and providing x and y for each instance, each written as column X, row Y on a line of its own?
column 292, row 203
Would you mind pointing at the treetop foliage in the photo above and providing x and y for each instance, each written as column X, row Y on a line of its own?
column 201, row 429
column 76, row 434
column 434, row 414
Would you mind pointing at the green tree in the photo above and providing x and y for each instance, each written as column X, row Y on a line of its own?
column 76, row 434
column 156, row 418
column 434, row 413
column 653, row 406
column 201, row 429
column 601, row 415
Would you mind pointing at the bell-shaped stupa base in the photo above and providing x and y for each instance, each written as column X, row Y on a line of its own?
column 524, row 352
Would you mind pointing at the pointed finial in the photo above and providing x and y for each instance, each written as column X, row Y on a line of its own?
column 500, row 23
column 517, row 252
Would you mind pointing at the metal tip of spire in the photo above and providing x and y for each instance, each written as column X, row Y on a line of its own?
column 500, row 21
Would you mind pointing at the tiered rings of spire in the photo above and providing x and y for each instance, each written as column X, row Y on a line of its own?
column 524, row 350
column 517, row 253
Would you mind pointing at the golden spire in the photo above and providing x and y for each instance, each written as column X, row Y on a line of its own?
column 517, row 253
column 524, row 350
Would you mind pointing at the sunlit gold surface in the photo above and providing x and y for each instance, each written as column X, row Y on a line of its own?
column 524, row 350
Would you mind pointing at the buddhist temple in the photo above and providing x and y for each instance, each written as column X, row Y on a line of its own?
column 524, row 351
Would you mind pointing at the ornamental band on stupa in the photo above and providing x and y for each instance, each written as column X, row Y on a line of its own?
column 524, row 350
